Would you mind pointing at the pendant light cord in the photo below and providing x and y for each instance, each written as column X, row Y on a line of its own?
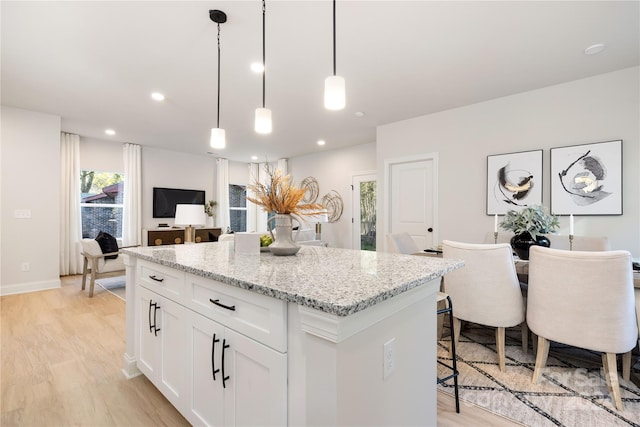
column 218, row 122
column 264, row 65
column 334, row 37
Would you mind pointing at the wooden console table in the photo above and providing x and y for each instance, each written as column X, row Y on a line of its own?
column 175, row 236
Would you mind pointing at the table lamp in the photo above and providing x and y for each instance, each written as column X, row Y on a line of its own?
column 190, row 215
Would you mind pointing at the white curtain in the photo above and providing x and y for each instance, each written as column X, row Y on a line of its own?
column 70, row 215
column 252, row 208
column 261, row 215
column 283, row 165
column 132, row 211
column 223, row 193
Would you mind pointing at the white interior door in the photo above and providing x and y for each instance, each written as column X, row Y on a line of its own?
column 412, row 198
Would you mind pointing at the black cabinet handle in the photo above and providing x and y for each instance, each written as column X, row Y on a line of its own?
column 156, row 278
column 150, row 325
column 155, row 320
column 224, row 378
column 219, row 304
column 213, row 355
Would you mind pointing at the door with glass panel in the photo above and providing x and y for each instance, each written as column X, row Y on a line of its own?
column 364, row 211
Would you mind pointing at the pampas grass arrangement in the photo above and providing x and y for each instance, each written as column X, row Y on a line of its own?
column 280, row 195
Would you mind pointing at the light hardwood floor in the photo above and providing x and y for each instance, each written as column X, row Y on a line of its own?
column 61, row 359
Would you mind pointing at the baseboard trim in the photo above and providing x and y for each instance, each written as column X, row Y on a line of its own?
column 21, row 288
column 130, row 368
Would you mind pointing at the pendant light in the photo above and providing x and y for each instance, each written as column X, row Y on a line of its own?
column 334, row 87
column 263, row 115
column 218, row 134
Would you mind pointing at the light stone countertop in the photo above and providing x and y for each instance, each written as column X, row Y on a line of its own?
column 336, row 281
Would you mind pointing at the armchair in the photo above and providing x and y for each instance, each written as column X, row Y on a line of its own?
column 95, row 262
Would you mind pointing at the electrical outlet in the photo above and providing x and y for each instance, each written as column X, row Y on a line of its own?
column 389, row 357
column 25, row 266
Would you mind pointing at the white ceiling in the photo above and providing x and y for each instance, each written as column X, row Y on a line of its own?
column 96, row 63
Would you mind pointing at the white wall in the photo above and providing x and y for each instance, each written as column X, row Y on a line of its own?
column 30, row 179
column 101, row 155
column 172, row 169
column 334, row 169
column 595, row 109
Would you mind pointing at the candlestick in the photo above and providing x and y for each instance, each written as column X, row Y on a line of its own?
column 495, row 223
column 571, row 225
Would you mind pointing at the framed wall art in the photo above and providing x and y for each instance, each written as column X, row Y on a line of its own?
column 514, row 181
column 587, row 179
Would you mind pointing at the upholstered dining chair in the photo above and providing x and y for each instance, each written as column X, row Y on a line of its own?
column 96, row 263
column 486, row 290
column 402, row 243
column 586, row 300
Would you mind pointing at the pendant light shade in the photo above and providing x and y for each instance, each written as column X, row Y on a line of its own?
column 334, row 86
column 218, row 139
column 263, row 120
column 334, row 93
column 263, row 115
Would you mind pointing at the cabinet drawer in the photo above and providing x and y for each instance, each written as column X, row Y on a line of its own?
column 163, row 280
column 257, row 316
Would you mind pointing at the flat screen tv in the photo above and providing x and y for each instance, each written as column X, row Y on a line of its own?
column 166, row 199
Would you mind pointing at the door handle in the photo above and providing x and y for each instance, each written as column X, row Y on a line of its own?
column 155, row 320
column 224, row 378
column 213, row 355
column 150, row 325
column 430, row 229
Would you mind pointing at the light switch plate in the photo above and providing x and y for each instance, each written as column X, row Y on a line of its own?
column 22, row 213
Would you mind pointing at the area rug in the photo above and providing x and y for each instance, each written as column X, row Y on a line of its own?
column 571, row 391
column 115, row 285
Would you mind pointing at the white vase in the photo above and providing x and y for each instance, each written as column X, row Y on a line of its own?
column 210, row 222
column 283, row 243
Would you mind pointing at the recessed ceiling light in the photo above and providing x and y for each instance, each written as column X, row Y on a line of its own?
column 257, row 67
column 594, row 49
column 157, row 96
column 321, row 142
column 254, row 157
column 359, row 114
column 110, row 131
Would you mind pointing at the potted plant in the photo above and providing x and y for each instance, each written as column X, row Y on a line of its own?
column 210, row 210
column 529, row 226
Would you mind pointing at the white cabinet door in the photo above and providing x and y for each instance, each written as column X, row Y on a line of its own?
column 162, row 344
column 172, row 336
column 235, row 381
column 149, row 345
column 205, row 373
column 256, row 388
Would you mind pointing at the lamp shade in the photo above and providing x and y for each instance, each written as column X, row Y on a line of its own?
column 263, row 120
column 323, row 217
column 190, row 215
column 334, row 93
column 217, row 138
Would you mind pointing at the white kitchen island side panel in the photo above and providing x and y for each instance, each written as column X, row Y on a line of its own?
column 342, row 382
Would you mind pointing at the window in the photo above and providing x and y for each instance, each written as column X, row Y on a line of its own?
column 238, row 207
column 101, row 203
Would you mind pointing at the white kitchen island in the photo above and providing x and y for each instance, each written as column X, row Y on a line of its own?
column 325, row 337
